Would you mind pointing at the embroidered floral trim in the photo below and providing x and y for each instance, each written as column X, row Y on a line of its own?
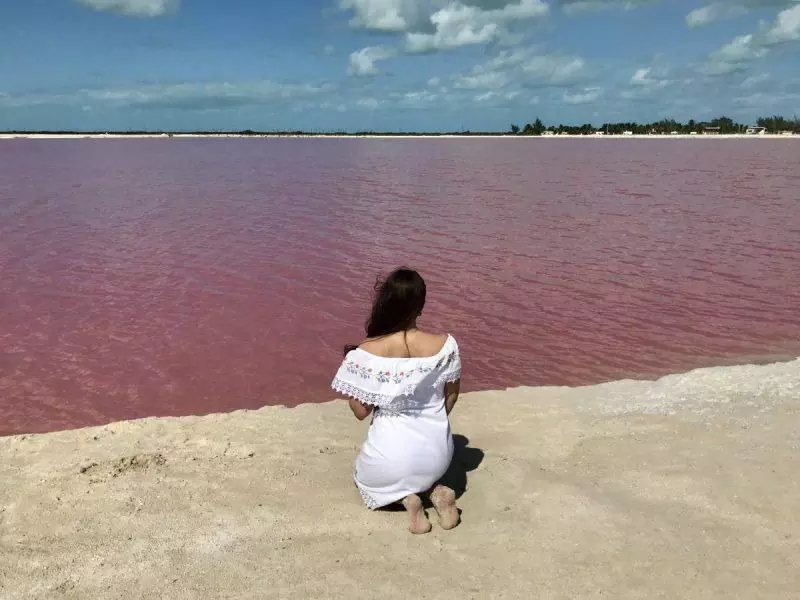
column 367, row 373
column 451, row 371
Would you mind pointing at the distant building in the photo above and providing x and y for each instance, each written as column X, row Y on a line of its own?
column 754, row 130
column 711, row 130
column 627, row 133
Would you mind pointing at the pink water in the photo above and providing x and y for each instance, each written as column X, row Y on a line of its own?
column 171, row 277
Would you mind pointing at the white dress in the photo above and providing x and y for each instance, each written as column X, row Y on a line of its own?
column 409, row 445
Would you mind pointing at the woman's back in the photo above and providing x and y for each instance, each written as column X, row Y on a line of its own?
column 408, row 380
column 406, row 344
column 409, row 444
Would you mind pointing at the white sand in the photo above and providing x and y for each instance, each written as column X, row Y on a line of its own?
column 50, row 136
column 688, row 487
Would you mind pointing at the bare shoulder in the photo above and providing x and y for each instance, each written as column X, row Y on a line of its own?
column 428, row 344
column 399, row 345
column 379, row 346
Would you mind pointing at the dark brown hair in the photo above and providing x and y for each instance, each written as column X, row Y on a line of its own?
column 399, row 300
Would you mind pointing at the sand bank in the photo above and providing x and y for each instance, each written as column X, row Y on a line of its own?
column 52, row 136
column 686, row 487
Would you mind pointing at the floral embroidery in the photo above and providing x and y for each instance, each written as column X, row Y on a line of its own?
column 447, row 367
column 402, row 376
column 362, row 371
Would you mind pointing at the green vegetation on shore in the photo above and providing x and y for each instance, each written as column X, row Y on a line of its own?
column 721, row 125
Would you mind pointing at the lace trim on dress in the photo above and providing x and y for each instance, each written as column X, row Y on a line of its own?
column 365, row 397
column 449, row 376
column 371, row 503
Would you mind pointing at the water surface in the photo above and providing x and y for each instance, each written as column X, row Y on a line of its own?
column 187, row 276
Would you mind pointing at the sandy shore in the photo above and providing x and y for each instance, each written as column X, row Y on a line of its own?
column 53, row 136
column 686, row 487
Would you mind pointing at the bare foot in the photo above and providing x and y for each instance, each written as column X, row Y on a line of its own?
column 418, row 519
column 444, row 501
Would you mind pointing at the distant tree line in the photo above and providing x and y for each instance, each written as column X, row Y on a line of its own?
column 250, row 132
column 722, row 125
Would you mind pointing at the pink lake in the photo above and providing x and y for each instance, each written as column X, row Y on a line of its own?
column 188, row 276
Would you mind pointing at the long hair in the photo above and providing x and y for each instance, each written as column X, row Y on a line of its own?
column 398, row 301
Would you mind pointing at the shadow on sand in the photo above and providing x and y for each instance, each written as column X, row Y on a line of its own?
column 465, row 459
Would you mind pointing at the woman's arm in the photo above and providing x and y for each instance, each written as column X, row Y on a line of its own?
column 451, row 391
column 361, row 411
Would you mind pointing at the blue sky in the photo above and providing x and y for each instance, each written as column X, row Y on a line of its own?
column 392, row 64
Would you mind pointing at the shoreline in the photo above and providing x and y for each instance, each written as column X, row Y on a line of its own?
column 788, row 355
column 619, row 488
column 55, row 136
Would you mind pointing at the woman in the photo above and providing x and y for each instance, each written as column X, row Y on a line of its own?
column 408, row 380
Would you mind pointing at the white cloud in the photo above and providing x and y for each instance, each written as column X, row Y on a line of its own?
column 739, row 54
column 480, row 78
column 419, row 99
column 641, row 77
column 369, row 103
column 362, row 62
column 649, row 79
column 553, row 70
column 180, row 96
column 496, row 97
column 455, row 27
column 534, row 68
column 762, row 100
column 522, row 68
column 134, row 8
column 653, row 83
column 730, row 8
column 586, row 96
column 713, row 12
column 754, row 81
column 786, row 28
column 734, row 56
column 511, row 58
column 384, row 15
column 459, row 25
column 574, row 7
column 333, row 106
column 438, row 25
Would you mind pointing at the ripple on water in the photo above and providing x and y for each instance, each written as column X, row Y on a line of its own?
column 156, row 277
